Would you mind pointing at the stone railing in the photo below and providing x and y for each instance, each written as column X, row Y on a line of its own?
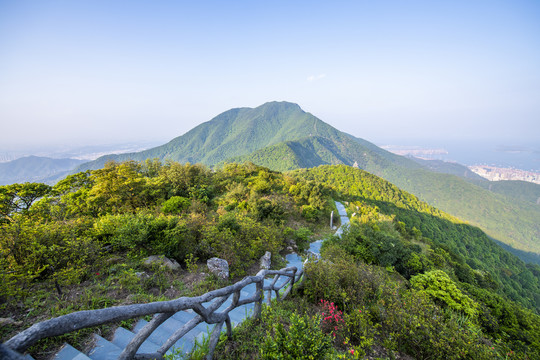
column 163, row 310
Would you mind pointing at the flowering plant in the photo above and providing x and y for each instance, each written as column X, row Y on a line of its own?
column 332, row 320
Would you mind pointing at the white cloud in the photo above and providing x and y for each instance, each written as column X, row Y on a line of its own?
column 316, row 77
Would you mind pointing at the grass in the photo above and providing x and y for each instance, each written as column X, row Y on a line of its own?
column 112, row 283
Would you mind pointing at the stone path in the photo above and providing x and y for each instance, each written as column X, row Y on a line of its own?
column 109, row 350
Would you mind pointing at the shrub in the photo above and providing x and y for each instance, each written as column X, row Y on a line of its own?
column 31, row 250
column 332, row 320
column 438, row 285
column 241, row 241
column 310, row 213
column 157, row 235
column 337, row 278
column 301, row 339
column 413, row 324
column 175, row 205
column 360, row 330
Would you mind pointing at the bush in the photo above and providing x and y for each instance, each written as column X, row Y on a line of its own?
column 157, row 235
column 413, row 324
column 337, row 278
column 438, row 285
column 175, row 205
column 241, row 241
column 301, row 339
column 31, row 250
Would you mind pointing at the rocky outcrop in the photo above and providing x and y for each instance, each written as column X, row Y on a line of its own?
column 218, row 267
column 153, row 260
column 266, row 260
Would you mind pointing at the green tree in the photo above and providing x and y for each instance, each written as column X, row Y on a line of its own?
column 19, row 197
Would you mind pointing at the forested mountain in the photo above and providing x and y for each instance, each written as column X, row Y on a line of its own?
column 447, row 167
column 408, row 277
column 517, row 189
column 374, row 198
column 34, row 168
column 281, row 136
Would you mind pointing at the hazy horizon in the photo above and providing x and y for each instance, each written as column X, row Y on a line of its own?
column 88, row 72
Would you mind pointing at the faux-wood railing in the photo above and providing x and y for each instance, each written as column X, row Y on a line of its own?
column 163, row 310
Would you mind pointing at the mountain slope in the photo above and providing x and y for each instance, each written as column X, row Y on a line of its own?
column 522, row 190
column 509, row 219
column 233, row 133
column 282, row 136
column 446, row 167
column 34, row 168
column 517, row 189
column 368, row 194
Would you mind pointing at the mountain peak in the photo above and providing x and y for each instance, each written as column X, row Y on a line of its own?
column 282, row 104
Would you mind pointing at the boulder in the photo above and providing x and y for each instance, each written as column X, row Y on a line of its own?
column 218, row 267
column 266, row 260
column 161, row 261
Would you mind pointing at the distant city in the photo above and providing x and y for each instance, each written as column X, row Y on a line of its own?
column 497, row 174
column 494, row 163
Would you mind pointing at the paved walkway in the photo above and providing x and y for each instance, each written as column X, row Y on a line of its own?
column 109, row 350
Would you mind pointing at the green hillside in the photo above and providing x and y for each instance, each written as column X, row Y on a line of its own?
column 373, row 195
column 515, row 189
column 406, row 276
column 502, row 214
column 233, row 133
column 452, row 168
column 34, row 168
column 522, row 190
column 282, row 136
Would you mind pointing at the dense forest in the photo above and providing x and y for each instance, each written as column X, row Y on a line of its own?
column 405, row 278
column 373, row 197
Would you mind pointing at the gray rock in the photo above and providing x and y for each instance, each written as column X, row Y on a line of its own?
column 9, row 321
column 218, row 267
column 142, row 275
column 162, row 261
column 266, row 260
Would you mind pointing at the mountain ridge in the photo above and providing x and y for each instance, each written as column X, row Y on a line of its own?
column 35, row 168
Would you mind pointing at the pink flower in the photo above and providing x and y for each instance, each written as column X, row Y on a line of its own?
column 351, row 351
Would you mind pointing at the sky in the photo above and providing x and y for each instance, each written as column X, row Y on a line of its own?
column 91, row 72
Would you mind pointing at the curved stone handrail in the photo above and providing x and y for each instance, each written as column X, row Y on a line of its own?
column 162, row 310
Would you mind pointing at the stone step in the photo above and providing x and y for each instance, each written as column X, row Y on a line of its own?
column 122, row 337
column 67, row 352
column 316, row 247
column 104, row 350
column 240, row 313
column 165, row 330
column 184, row 316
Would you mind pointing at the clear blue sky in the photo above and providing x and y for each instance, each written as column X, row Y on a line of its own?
column 112, row 71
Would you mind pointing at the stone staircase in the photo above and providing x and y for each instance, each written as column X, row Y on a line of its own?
column 111, row 349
